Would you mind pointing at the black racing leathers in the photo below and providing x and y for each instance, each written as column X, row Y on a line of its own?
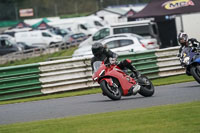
column 190, row 43
column 103, row 57
column 122, row 64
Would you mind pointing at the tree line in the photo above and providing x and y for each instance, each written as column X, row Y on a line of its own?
column 45, row 8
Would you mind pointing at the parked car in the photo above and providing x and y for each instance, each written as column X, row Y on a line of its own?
column 144, row 28
column 22, row 45
column 149, row 43
column 39, row 38
column 29, row 48
column 117, row 43
column 73, row 38
column 59, row 31
column 7, row 37
column 7, row 47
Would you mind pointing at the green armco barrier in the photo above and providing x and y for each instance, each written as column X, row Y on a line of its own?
column 19, row 81
column 138, row 56
column 20, row 95
column 19, row 70
column 75, row 73
column 145, row 62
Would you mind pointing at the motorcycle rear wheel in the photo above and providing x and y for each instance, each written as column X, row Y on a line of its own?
column 146, row 90
column 113, row 93
column 195, row 71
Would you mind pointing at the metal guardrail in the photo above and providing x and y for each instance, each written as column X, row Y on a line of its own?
column 75, row 73
column 62, row 75
column 35, row 52
column 168, row 62
column 19, row 81
column 144, row 62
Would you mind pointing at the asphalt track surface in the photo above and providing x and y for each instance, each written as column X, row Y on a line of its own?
column 96, row 103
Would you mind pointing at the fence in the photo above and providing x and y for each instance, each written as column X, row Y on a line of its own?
column 35, row 52
column 72, row 74
column 19, row 81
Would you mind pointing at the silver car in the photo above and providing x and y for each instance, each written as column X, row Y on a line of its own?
column 148, row 43
column 118, row 43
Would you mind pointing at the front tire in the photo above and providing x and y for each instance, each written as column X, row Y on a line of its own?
column 195, row 71
column 113, row 93
column 147, row 88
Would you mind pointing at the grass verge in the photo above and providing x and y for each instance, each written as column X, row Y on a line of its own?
column 180, row 118
column 156, row 82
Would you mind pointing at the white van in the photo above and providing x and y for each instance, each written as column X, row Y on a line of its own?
column 88, row 25
column 145, row 28
column 39, row 37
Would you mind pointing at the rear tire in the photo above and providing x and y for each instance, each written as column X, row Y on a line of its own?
column 195, row 71
column 113, row 93
column 148, row 89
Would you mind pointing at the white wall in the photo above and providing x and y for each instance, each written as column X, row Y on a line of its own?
column 108, row 16
column 191, row 25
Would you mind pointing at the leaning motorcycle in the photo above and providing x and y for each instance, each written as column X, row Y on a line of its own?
column 190, row 59
column 115, row 83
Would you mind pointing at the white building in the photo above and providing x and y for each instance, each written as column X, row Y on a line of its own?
column 189, row 23
column 116, row 14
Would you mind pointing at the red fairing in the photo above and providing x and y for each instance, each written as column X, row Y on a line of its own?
column 125, row 81
column 108, row 80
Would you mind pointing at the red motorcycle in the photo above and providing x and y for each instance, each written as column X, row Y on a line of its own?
column 115, row 83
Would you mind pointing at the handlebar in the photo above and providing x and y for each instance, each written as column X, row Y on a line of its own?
column 194, row 42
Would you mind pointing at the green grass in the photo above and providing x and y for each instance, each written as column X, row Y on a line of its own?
column 180, row 118
column 156, row 82
column 172, row 80
column 67, row 52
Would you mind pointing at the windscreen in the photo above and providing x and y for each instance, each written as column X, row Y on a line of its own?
column 96, row 65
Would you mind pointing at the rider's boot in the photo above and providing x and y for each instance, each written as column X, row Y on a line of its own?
column 133, row 70
column 136, row 89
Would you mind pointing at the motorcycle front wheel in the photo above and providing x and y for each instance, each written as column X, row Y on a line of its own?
column 195, row 71
column 147, row 88
column 112, row 92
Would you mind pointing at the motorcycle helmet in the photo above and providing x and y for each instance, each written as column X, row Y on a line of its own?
column 97, row 49
column 182, row 38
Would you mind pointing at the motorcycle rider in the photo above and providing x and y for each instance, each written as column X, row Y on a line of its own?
column 185, row 42
column 186, row 46
column 102, row 53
